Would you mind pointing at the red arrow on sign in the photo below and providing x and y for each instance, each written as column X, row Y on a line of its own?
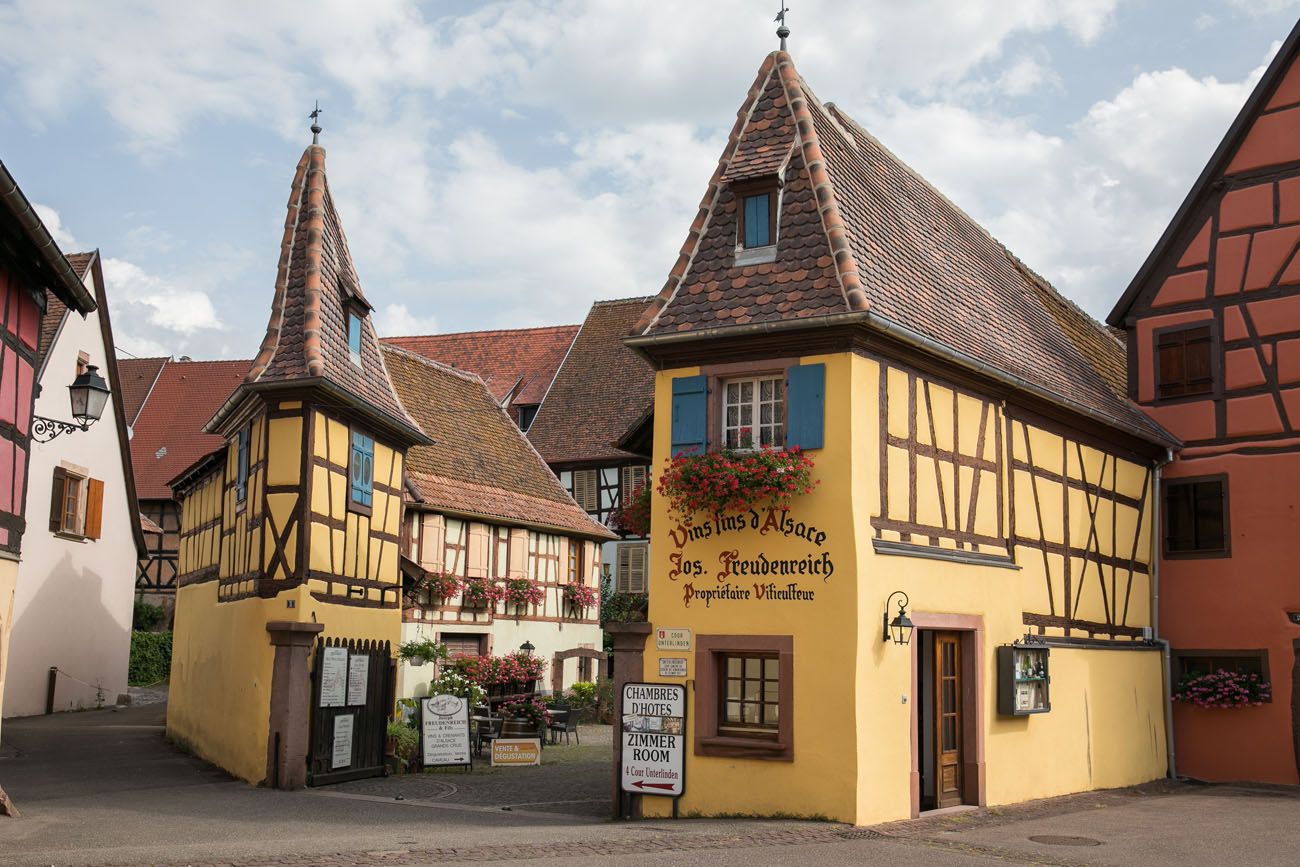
column 641, row 784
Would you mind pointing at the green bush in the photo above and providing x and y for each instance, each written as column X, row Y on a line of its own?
column 623, row 608
column 405, row 739
column 151, row 658
column 146, row 616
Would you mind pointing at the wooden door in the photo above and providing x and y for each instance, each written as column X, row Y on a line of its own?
column 947, row 718
column 1295, row 703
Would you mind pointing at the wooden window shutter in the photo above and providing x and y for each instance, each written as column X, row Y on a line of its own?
column 806, row 406
column 586, row 490
column 690, row 415
column 56, row 499
column 631, row 568
column 94, row 508
column 633, row 476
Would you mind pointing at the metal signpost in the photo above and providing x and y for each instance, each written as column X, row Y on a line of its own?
column 654, row 740
column 444, row 732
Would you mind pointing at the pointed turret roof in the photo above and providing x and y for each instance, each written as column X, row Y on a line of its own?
column 316, row 286
column 864, row 238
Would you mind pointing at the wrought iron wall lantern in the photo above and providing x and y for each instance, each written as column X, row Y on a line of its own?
column 900, row 628
column 527, row 647
column 89, row 394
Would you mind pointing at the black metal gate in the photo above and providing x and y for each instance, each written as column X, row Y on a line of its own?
column 352, row 694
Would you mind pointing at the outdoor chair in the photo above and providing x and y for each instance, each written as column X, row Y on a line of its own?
column 566, row 726
column 488, row 730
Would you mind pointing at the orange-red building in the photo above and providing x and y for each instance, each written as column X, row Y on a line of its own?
column 1213, row 322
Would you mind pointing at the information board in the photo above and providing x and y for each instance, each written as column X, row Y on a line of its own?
column 516, row 751
column 444, row 731
column 334, row 677
column 341, row 756
column 654, row 739
column 358, row 677
column 672, row 666
column 672, row 639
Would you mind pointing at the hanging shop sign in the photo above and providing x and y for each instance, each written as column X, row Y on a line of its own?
column 516, row 752
column 654, row 739
column 736, row 575
column 334, row 677
column 444, row 731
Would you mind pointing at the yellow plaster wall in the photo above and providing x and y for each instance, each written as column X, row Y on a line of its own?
column 854, row 694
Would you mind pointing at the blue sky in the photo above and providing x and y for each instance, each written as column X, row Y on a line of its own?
column 505, row 164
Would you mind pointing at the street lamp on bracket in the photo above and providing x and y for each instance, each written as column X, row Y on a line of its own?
column 900, row 628
column 88, row 394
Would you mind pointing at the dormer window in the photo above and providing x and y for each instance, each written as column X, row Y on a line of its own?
column 758, row 203
column 354, row 338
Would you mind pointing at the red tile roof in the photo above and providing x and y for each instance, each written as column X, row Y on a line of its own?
column 519, row 363
column 168, row 433
column 862, row 232
column 600, row 392
column 56, row 310
column 479, row 463
column 315, row 288
column 138, row 376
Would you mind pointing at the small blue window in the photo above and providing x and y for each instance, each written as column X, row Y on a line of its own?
column 354, row 338
column 363, row 468
column 758, row 220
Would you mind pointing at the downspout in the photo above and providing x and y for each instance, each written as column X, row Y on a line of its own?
column 1167, row 672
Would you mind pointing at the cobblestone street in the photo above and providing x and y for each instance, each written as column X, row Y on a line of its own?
column 104, row 787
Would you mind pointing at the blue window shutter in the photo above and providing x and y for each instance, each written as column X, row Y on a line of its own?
column 806, row 406
column 756, row 220
column 690, row 415
column 363, row 457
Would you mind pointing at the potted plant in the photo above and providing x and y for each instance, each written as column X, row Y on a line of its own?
column 522, row 592
column 1223, row 689
column 452, row 682
column 439, row 586
column 633, row 516
column 401, row 741
column 418, row 651
column 529, row 717
column 732, row 481
column 479, row 593
column 579, row 597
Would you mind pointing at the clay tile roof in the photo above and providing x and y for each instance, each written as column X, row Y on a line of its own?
column 315, row 287
column 168, row 432
column 860, row 231
column 479, row 463
column 55, row 309
column 149, row 526
column 137, row 378
column 601, row 390
column 518, row 363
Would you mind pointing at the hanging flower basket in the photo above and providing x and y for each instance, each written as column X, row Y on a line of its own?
column 734, row 481
column 440, row 587
column 633, row 516
column 479, row 593
column 1223, row 689
column 522, row 592
column 579, row 597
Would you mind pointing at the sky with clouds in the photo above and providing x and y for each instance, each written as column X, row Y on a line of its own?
column 504, row 164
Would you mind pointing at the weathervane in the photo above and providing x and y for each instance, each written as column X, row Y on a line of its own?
column 782, row 31
column 315, row 123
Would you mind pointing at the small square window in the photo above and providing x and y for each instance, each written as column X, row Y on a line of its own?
column 753, row 412
column 1196, row 517
column 744, row 694
column 354, row 338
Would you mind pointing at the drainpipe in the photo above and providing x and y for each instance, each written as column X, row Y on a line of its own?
column 1167, row 673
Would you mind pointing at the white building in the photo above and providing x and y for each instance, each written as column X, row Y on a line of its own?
column 482, row 504
column 76, row 580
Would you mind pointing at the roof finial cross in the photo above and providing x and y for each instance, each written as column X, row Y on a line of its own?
column 782, row 31
column 315, row 123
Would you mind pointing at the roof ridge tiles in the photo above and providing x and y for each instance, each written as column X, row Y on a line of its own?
column 463, row 373
column 390, row 338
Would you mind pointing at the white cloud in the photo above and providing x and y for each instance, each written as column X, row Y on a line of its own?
column 166, row 304
column 54, row 225
column 393, row 320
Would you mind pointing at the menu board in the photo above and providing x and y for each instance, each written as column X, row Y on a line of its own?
column 444, row 731
column 342, row 753
column 334, row 677
column 358, row 676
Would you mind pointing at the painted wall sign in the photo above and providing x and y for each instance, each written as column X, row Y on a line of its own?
column 516, row 752
column 744, row 576
column 654, row 739
column 673, row 639
column 672, row 666
column 358, row 678
column 341, row 756
column 334, row 677
column 444, row 731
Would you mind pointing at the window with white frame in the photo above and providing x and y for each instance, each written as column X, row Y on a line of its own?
column 753, row 412
column 76, row 504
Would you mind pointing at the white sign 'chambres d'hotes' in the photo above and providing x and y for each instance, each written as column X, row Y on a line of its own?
column 654, row 738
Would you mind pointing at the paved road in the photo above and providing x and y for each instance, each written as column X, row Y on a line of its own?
column 103, row 787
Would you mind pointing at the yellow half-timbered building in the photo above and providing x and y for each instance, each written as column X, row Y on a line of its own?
column 290, row 533
column 961, row 609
